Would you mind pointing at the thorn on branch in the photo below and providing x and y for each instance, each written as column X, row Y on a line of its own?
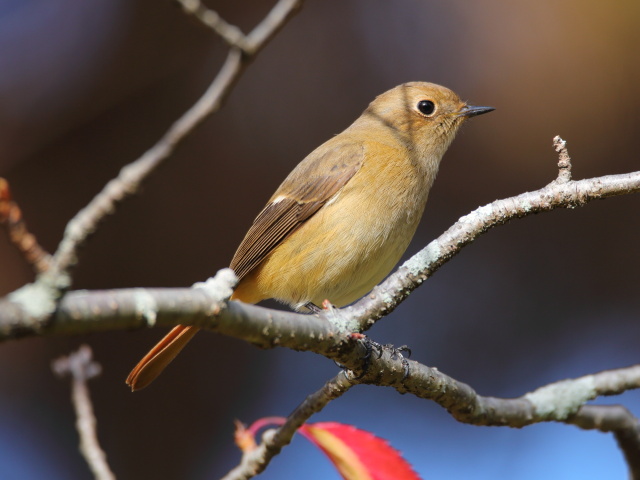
column 11, row 217
column 564, row 160
column 80, row 366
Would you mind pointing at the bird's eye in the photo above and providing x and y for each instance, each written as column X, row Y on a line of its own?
column 426, row 107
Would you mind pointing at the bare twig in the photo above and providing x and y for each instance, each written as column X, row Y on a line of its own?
column 210, row 18
column 562, row 401
column 81, row 368
column 620, row 421
column 38, row 301
column 249, row 44
column 255, row 461
column 130, row 177
column 11, row 217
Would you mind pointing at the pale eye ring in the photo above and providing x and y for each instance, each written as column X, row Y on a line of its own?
column 426, row 107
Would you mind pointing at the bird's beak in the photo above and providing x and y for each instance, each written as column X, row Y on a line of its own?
column 472, row 111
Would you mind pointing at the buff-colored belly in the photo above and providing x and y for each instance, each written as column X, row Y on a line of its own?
column 348, row 257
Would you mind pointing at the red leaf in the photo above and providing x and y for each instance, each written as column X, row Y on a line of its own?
column 357, row 454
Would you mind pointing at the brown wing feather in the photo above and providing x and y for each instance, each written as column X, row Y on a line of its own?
column 307, row 188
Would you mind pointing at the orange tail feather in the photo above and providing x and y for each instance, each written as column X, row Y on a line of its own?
column 154, row 362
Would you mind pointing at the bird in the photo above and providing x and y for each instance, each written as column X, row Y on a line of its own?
column 343, row 217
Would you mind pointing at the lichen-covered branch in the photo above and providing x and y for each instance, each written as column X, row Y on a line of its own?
column 561, row 401
column 131, row 176
column 34, row 303
column 90, row 311
column 389, row 294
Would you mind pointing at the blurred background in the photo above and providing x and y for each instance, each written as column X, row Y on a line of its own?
column 86, row 87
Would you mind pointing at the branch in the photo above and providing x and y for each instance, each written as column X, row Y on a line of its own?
column 82, row 312
column 210, row 18
column 384, row 298
column 81, row 368
column 131, row 176
column 560, row 401
column 255, row 460
column 11, row 217
column 249, row 44
column 329, row 332
column 620, row 421
column 36, row 302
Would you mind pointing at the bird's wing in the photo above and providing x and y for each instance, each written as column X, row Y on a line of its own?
column 307, row 188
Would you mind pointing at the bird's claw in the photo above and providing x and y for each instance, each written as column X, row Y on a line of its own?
column 371, row 347
column 312, row 307
column 398, row 352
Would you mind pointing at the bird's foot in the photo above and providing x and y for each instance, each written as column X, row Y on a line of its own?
column 398, row 352
column 327, row 305
column 313, row 308
column 371, row 347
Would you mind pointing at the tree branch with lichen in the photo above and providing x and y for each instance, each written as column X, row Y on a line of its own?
column 37, row 301
column 331, row 333
column 81, row 312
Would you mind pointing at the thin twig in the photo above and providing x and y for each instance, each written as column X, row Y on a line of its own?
column 618, row 420
column 255, row 461
column 51, row 284
column 81, row 368
column 11, row 217
column 210, row 18
column 131, row 176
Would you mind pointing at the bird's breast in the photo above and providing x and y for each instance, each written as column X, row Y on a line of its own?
column 353, row 241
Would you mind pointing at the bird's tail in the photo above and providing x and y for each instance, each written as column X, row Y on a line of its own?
column 154, row 362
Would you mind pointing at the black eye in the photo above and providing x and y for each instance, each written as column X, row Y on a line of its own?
column 426, row 107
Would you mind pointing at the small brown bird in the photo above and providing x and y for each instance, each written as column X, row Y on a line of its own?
column 345, row 215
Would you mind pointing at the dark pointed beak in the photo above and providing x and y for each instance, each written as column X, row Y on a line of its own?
column 472, row 111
